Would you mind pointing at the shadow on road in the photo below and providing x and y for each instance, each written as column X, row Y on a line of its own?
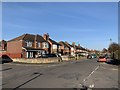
column 39, row 74
column 5, row 69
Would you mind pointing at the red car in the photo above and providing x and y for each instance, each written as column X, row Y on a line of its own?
column 102, row 59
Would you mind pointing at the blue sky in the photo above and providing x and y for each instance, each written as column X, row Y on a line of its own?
column 88, row 23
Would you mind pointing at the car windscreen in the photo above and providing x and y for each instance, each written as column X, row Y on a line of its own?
column 102, row 57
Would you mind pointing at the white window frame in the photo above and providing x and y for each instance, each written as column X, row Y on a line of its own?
column 39, row 44
column 29, row 43
column 54, row 46
column 45, row 45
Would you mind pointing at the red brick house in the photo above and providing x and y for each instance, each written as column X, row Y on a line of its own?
column 78, row 49
column 72, row 49
column 65, row 49
column 54, row 46
column 27, row 46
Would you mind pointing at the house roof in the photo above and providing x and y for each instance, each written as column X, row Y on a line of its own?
column 40, row 38
column 77, row 47
column 53, row 42
column 63, row 43
column 29, row 37
column 18, row 38
column 68, row 44
column 81, row 48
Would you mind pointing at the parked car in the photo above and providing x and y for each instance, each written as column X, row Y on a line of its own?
column 113, row 61
column 5, row 59
column 102, row 58
column 51, row 56
column 91, row 56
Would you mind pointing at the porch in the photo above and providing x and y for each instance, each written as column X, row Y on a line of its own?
column 34, row 52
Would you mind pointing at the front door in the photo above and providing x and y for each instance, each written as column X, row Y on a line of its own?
column 29, row 54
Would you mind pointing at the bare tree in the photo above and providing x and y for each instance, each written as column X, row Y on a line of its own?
column 114, row 49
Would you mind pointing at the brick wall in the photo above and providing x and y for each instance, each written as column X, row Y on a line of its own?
column 11, row 55
column 38, row 60
column 14, row 55
column 14, row 47
column 24, row 44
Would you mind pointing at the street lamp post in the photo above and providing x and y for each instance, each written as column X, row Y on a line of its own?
column 110, row 40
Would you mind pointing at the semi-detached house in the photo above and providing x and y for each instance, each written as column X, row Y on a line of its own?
column 27, row 46
column 54, row 46
column 65, row 49
column 72, row 49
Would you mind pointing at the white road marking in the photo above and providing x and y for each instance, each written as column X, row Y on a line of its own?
column 91, row 74
column 83, row 83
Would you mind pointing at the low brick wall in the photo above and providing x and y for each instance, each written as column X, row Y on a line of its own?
column 66, row 58
column 11, row 55
column 36, row 60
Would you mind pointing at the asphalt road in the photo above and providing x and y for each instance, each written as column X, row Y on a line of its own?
column 72, row 74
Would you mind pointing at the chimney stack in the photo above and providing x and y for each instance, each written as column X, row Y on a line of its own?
column 35, row 44
column 79, row 45
column 73, row 44
column 46, row 36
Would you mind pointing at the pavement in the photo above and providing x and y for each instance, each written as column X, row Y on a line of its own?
column 71, row 74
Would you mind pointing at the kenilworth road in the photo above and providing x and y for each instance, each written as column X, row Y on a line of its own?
column 70, row 74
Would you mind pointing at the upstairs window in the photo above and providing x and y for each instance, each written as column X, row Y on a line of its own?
column 54, row 46
column 59, row 47
column 66, row 48
column 29, row 43
column 39, row 44
column 45, row 45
